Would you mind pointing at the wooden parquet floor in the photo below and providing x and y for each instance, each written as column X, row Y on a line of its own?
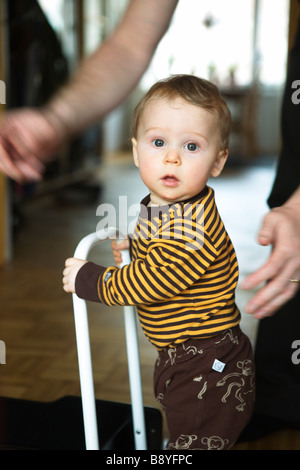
column 36, row 319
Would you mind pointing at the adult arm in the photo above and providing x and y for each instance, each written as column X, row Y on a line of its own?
column 281, row 229
column 106, row 78
column 28, row 137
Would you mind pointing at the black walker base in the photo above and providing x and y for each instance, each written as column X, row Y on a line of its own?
column 58, row 425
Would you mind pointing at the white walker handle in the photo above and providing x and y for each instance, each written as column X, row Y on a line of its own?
column 85, row 374
column 134, row 370
column 85, row 359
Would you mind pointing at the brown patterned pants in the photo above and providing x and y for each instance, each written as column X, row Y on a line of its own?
column 206, row 407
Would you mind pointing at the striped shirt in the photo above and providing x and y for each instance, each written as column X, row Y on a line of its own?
column 182, row 277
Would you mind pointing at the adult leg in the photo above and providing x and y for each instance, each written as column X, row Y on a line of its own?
column 278, row 374
column 278, row 377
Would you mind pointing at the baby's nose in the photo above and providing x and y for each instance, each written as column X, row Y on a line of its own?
column 173, row 157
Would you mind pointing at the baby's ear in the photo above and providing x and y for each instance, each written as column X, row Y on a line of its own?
column 134, row 152
column 219, row 163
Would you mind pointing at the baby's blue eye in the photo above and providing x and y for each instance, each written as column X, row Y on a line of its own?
column 191, row 147
column 158, row 142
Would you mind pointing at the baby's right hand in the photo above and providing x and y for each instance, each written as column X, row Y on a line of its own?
column 117, row 247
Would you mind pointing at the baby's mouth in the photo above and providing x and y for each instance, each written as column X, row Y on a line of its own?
column 170, row 180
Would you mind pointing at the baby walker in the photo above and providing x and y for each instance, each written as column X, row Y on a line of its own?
column 85, row 361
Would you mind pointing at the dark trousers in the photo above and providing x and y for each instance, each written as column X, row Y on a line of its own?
column 206, row 407
column 278, row 376
column 277, row 364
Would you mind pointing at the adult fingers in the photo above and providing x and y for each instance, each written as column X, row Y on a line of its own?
column 275, row 293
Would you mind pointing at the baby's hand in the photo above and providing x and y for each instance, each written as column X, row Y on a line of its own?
column 72, row 266
column 117, row 247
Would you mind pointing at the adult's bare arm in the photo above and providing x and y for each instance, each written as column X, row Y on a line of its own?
column 106, row 78
column 102, row 82
column 281, row 229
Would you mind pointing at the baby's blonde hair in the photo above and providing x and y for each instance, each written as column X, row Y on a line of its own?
column 194, row 90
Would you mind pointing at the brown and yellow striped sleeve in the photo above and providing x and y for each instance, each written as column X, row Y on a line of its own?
column 170, row 267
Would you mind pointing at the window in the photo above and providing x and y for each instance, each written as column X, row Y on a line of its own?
column 225, row 40
column 54, row 13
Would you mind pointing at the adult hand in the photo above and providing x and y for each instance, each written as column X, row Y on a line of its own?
column 101, row 83
column 281, row 229
column 27, row 140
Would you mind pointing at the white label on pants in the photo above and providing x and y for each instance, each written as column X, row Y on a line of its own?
column 218, row 365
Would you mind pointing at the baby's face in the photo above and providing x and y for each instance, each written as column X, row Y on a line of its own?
column 177, row 149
